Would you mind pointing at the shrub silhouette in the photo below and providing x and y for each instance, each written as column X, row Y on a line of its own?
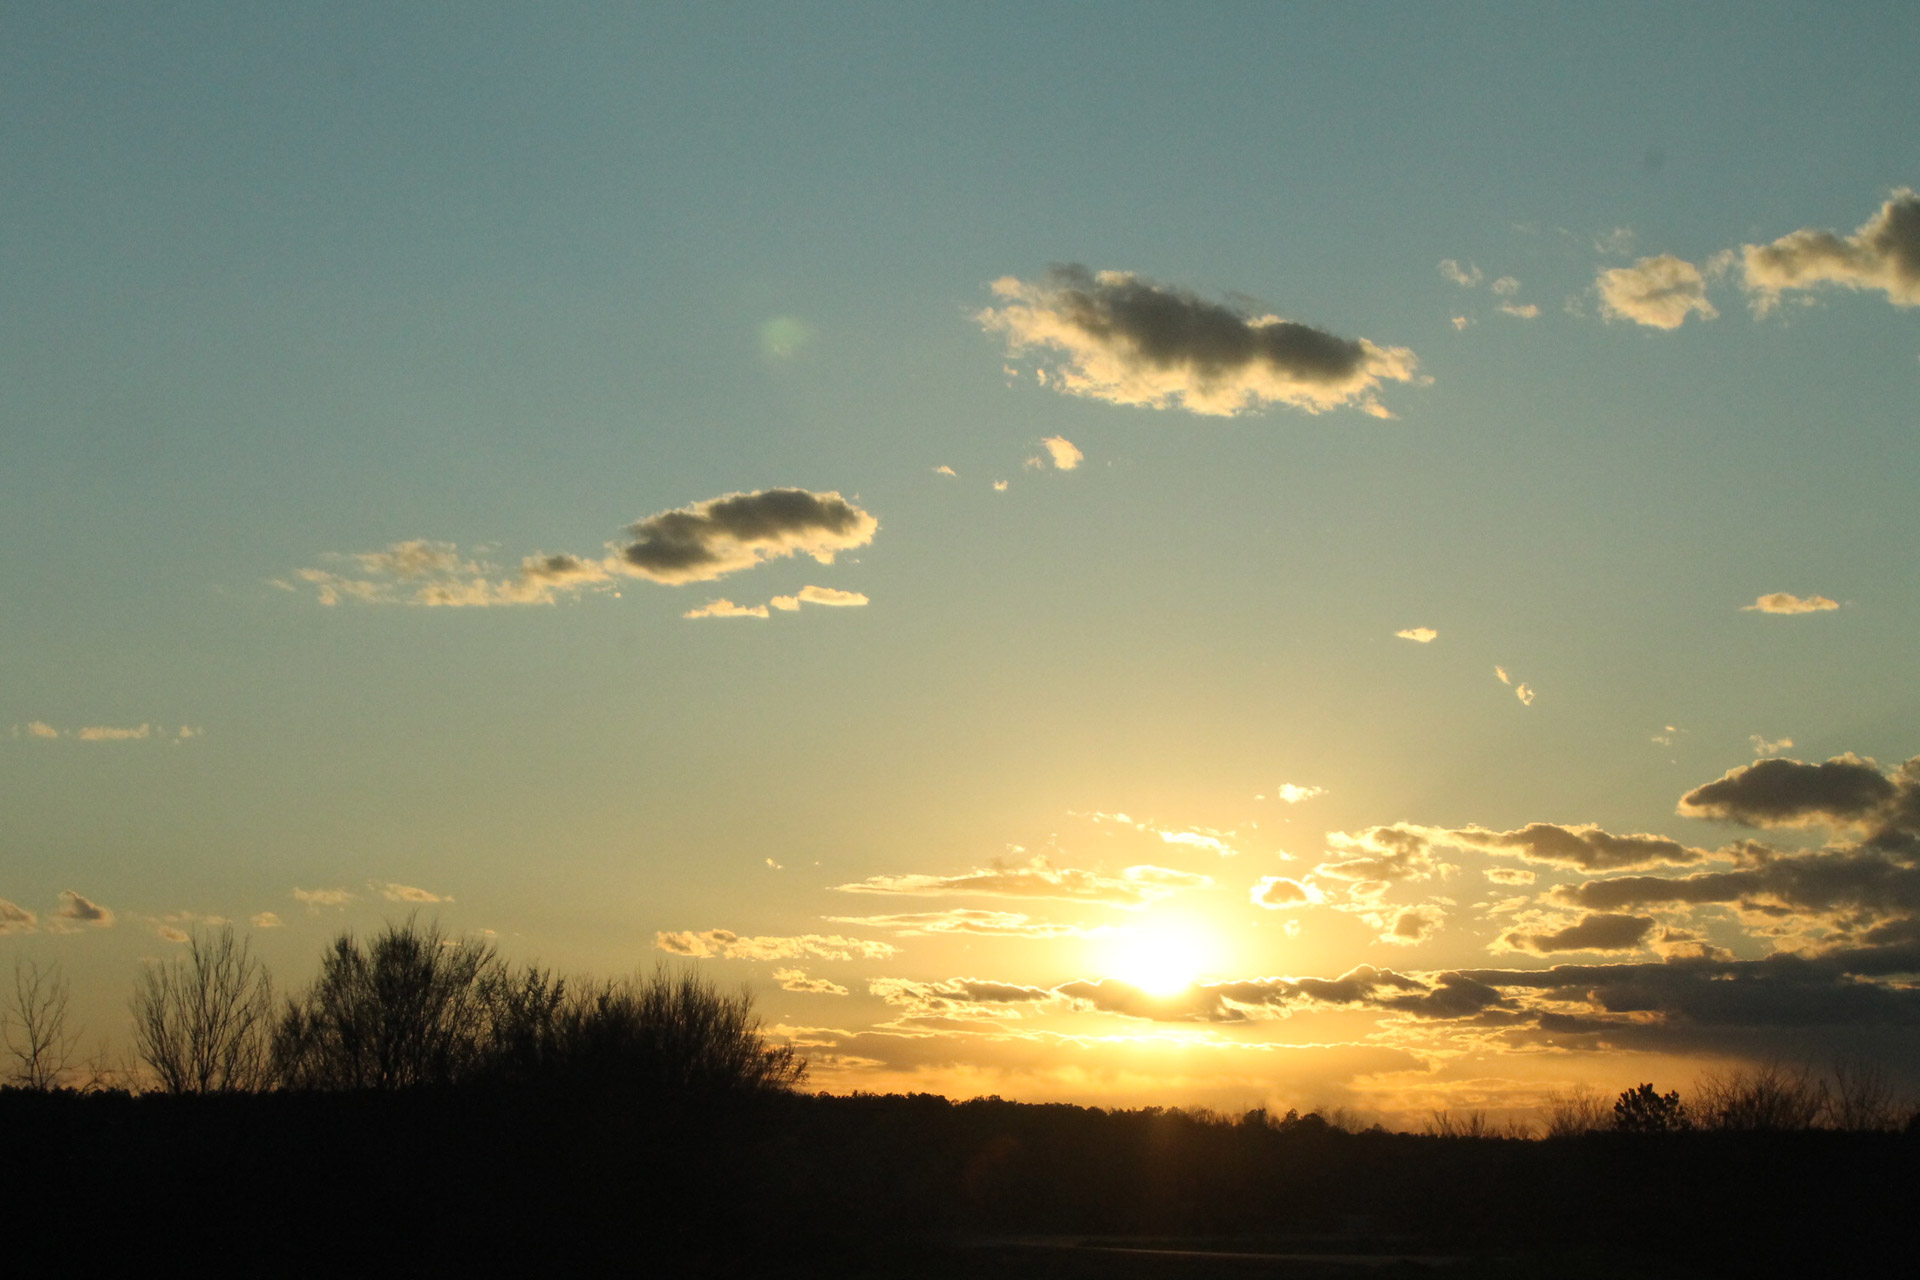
column 202, row 1024
column 1641, row 1110
column 1768, row 1098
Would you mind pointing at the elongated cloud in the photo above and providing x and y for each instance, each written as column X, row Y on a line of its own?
column 1782, row 602
column 725, row 535
column 1781, row 792
column 729, row 945
column 1039, row 878
column 968, row 920
column 1123, row 339
column 1419, row 635
column 1883, row 254
column 725, row 608
column 829, row 596
column 317, row 898
column 1599, row 931
column 1851, row 889
column 1657, row 292
column 406, row 893
column 423, row 572
column 797, row 980
column 1585, row 847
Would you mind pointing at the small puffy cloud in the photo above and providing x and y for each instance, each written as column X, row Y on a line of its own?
column 725, row 608
column 1784, row 602
column 1883, row 254
column 1466, row 277
column 1278, row 893
column 1524, row 692
column 1388, row 854
column 1505, row 286
column 108, row 733
column 1123, row 339
column 1063, row 453
column 1411, row 926
column 819, row 595
column 968, row 920
column 1461, row 323
column 15, row 918
column 1510, row 875
column 78, row 910
column 999, row 486
column 266, row 920
column 405, row 892
column 1596, row 931
column 1583, row 847
column 314, row 899
column 797, row 980
column 944, row 470
column 1039, row 878
column 740, row 530
column 1289, row 793
column 1419, row 635
column 1788, row 793
column 170, row 933
column 726, row 944
column 37, row 729
column 1657, row 292
column 1761, row 747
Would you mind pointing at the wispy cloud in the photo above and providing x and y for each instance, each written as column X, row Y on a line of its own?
column 1134, row 887
column 968, row 920
column 405, row 892
column 829, row 596
column 797, row 980
column 1466, row 277
column 15, row 918
column 1126, row 340
column 1419, row 635
column 1584, row 847
column 266, row 920
column 1659, row 292
column 1783, row 602
column 1883, row 254
column 314, row 899
column 726, row 944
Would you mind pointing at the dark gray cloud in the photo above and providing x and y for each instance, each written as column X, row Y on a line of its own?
column 1883, row 254
column 1849, row 890
column 723, row 535
column 1381, row 855
column 1126, row 340
column 1585, row 847
column 80, row 910
column 1788, row 793
column 957, row 997
column 1599, row 931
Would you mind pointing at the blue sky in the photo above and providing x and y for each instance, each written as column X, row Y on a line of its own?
column 281, row 290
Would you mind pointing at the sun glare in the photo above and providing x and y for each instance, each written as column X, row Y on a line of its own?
column 1162, row 958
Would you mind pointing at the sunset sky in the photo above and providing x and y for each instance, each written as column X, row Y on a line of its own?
column 1304, row 555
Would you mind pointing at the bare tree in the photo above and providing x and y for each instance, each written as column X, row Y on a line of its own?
column 672, row 1034
column 36, row 1025
column 1764, row 1098
column 1575, row 1112
column 201, row 1023
column 1863, row 1098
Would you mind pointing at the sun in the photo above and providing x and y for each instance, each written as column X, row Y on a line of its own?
column 1161, row 958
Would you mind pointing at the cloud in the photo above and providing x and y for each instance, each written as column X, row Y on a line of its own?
column 1788, row 793
column 15, row 918
column 1510, row 875
column 1466, row 277
column 1419, row 635
column 967, row 920
column 1521, row 310
column 740, row 530
column 1500, row 674
column 819, row 595
column 1599, row 931
column 1063, row 453
column 1585, row 847
column 170, row 933
column 1851, row 891
column 317, row 898
column 1883, row 254
column 944, row 470
column 962, row 997
column 728, row 945
column 1657, row 292
column 1288, row 793
column 1761, row 747
column 1210, row 841
column 1125, row 340
column 1411, row 926
column 107, row 733
column 1524, row 692
column 1039, row 878
column 1782, row 602
column 1386, row 854
column 797, row 980
column 435, row 574
column 1278, row 893
column 725, row 608
column 405, row 893
column 39, row 729
column 79, row 910
column 266, row 920
column 999, row 486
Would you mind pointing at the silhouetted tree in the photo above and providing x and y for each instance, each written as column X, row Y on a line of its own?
column 201, row 1023
column 671, row 1033
column 1763, row 1098
column 36, row 1025
column 1641, row 1110
column 410, row 1007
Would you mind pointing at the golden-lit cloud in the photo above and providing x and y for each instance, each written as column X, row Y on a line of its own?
column 1123, row 339
column 1783, row 602
column 109, row 733
column 1762, row 747
column 1419, row 635
column 1659, row 292
column 1510, row 875
column 944, row 470
column 819, row 595
column 37, row 729
column 740, row 530
column 1883, row 254
column 1278, row 893
column 266, row 920
column 1409, row 926
column 1291, row 793
column 15, row 918
column 76, row 910
column 725, row 608
column 1584, row 846
column 406, row 892
column 1598, row 931
column 969, row 920
column 1466, row 277
column 1381, row 855
column 726, row 944
column 1039, row 878
column 797, row 980
column 314, row 899
column 1062, row 452
column 1843, row 791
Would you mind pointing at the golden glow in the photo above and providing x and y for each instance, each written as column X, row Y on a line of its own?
column 1161, row 957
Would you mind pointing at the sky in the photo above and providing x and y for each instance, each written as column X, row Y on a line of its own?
column 1334, row 555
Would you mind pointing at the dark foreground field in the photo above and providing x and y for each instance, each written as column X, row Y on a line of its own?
column 503, row 1180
